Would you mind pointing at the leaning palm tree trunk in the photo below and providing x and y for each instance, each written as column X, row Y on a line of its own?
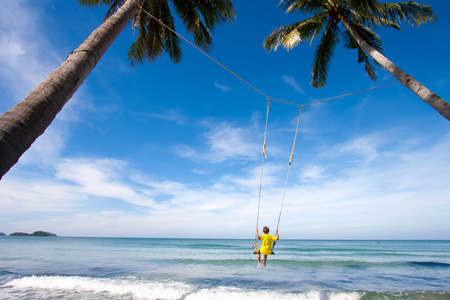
column 440, row 105
column 27, row 120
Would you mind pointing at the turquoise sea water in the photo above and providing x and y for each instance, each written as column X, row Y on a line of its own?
column 126, row 268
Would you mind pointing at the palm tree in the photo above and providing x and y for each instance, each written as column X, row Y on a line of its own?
column 27, row 120
column 360, row 18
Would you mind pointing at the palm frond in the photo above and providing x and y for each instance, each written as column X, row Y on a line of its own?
column 371, row 38
column 136, row 52
column 363, row 6
column 114, row 5
column 279, row 35
column 113, row 8
column 171, row 41
column 94, row 3
column 304, row 6
column 367, row 34
column 324, row 53
column 149, row 43
column 371, row 20
column 410, row 12
column 201, row 16
column 273, row 41
column 290, row 36
column 193, row 23
column 215, row 12
column 368, row 67
column 320, row 20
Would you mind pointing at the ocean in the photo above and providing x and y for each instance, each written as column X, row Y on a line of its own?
column 135, row 268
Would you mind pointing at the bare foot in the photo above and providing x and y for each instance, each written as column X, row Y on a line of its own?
column 259, row 265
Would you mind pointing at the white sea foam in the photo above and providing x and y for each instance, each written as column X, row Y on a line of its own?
column 115, row 287
column 232, row 293
column 146, row 289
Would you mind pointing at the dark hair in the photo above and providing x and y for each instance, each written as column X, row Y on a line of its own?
column 266, row 229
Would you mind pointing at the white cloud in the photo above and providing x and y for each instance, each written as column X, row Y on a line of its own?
column 404, row 185
column 25, row 56
column 170, row 115
column 224, row 142
column 291, row 81
column 364, row 149
column 47, row 148
column 199, row 171
column 222, row 87
column 21, row 196
column 102, row 178
column 313, row 172
column 400, row 195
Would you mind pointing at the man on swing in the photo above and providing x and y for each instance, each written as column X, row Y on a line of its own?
column 266, row 246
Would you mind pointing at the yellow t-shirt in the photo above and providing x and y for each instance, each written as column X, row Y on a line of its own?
column 266, row 246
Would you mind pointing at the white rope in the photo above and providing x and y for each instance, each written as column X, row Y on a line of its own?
column 291, row 158
column 262, row 164
column 290, row 163
column 255, row 243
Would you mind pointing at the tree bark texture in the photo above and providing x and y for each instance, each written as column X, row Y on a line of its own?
column 439, row 104
column 27, row 120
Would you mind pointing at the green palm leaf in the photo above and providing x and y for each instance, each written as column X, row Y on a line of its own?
column 304, row 6
column 113, row 8
column 291, row 35
column 324, row 53
column 187, row 11
column 170, row 40
column 369, row 37
column 199, row 17
column 410, row 11
column 362, row 6
column 154, row 32
column 93, row 3
column 215, row 12
column 371, row 20
column 363, row 16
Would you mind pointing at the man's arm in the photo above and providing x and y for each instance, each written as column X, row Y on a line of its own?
column 278, row 237
column 257, row 234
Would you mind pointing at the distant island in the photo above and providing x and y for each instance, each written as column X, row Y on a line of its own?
column 2, row 234
column 36, row 233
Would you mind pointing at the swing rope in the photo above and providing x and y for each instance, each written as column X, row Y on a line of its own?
column 291, row 158
column 289, row 171
column 255, row 243
column 290, row 163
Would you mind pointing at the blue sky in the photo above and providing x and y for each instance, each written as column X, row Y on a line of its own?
column 163, row 150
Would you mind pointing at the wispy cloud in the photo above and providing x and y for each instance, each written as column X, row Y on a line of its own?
column 223, row 87
column 24, row 62
column 170, row 115
column 101, row 178
column 385, row 198
column 291, row 81
column 223, row 141
column 313, row 172
column 402, row 183
column 364, row 148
